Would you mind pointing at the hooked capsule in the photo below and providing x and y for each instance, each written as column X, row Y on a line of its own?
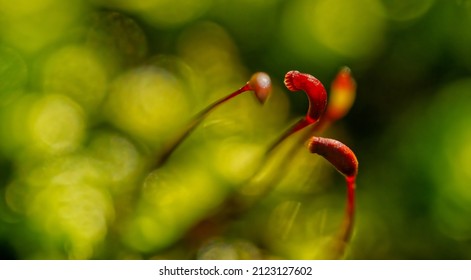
column 295, row 81
column 337, row 153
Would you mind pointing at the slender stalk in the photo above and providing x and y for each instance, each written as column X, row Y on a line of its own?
column 347, row 228
column 345, row 233
column 174, row 143
column 302, row 123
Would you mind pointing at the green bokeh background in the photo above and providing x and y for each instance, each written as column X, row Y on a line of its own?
column 91, row 91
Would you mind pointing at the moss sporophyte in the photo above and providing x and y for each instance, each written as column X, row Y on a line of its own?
column 319, row 116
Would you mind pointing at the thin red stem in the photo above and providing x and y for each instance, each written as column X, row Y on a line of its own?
column 172, row 145
column 302, row 123
column 350, row 210
column 346, row 230
column 215, row 104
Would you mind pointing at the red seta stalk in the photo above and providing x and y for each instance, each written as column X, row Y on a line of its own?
column 346, row 232
column 259, row 83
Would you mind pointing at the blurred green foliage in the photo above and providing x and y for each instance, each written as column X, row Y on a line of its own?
column 91, row 90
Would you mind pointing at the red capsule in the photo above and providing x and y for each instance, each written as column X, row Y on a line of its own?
column 317, row 96
column 260, row 83
column 337, row 153
column 295, row 81
column 342, row 95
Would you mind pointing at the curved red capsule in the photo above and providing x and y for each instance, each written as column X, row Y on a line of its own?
column 295, row 81
column 317, row 96
column 337, row 153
